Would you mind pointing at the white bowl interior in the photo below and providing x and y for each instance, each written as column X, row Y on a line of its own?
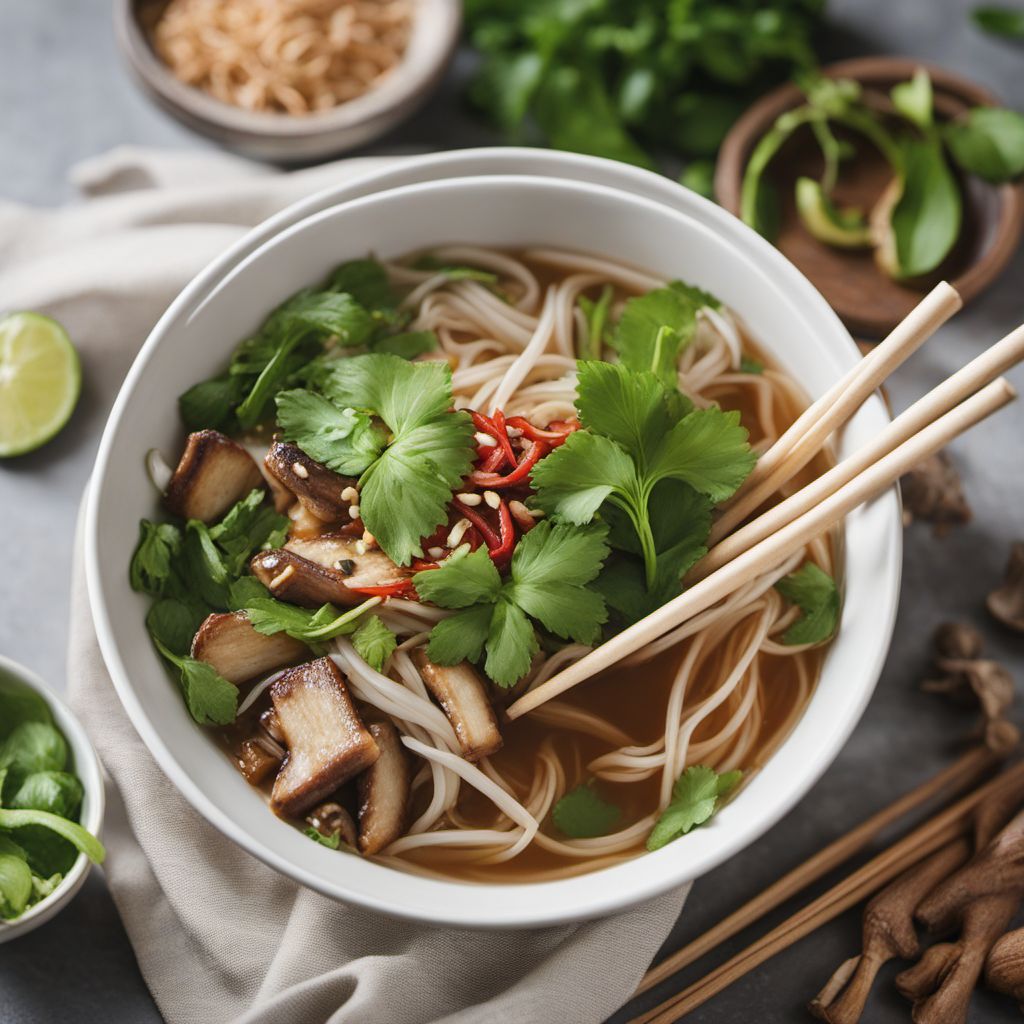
column 86, row 766
column 193, row 341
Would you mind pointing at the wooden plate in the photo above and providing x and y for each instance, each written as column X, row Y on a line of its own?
column 868, row 301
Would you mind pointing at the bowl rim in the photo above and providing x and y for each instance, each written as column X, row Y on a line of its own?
column 438, row 24
column 514, row 913
column 87, row 768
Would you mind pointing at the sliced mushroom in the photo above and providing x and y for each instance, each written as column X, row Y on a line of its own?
column 256, row 763
column 326, row 739
column 461, row 694
column 330, row 819
column 324, row 569
column 212, row 475
column 229, row 643
column 1006, row 603
column 318, row 488
column 384, row 792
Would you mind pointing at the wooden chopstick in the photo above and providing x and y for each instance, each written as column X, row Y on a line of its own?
column 936, row 832
column 806, row 437
column 767, row 554
column 964, row 772
column 980, row 371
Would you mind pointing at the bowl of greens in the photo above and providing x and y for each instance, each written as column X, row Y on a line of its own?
column 51, row 802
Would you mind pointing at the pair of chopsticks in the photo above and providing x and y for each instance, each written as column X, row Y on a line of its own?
column 960, row 402
column 939, row 830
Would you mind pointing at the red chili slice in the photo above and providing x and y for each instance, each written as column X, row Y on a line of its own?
column 387, row 590
column 503, row 439
column 503, row 552
column 485, row 425
column 558, row 430
column 493, row 481
column 491, row 539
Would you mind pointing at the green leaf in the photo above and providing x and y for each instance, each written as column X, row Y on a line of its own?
column 15, row 880
column 20, row 704
column 374, row 642
column 461, row 637
column 269, row 616
column 750, row 365
column 597, row 322
column 456, row 271
column 33, row 747
column 511, row 644
column 989, row 142
column 249, row 525
column 205, row 568
column 913, row 99
column 999, row 20
column 408, row 344
column 211, row 403
column 344, row 440
column 708, row 449
column 210, row 699
column 653, row 330
column 817, row 596
column 926, row 220
column 465, row 578
column 575, row 479
column 82, row 840
column 151, row 566
column 366, row 281
column 583, row 814
column 332, row 842
column 174, row 623
column 55, row 791
column 695, row 798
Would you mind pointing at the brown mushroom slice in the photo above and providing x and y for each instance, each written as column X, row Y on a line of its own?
column 214, row 472
column 326, row 739
column 384, row 792
column 299, row 581
column 1006, row 602
column 318, row 488
column 256, row 763
column 460, row 692
column 360, row 564
column 229, row 642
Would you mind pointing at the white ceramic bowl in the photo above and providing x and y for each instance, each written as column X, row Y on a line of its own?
column 224, row 304
column 283, row 137
column 86, row 766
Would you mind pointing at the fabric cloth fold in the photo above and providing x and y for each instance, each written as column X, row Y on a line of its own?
column 218, row 935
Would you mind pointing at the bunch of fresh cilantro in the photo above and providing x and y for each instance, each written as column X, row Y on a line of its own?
column 628, row 78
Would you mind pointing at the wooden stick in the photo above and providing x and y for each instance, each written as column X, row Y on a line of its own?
column 806, row 437
column 775, row 549
column 980, row 371
column 964, row 772
column 924, row 840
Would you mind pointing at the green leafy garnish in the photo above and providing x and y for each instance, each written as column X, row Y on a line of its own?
column 408, row 472
column 210, row 699
column 639, row 434
column 596, row 313
column 583, row 814
column 332, row 842
column 988, row 142
column 249, row 525
column 456, row 271
column 999, row 20
column 374, row 642
column 82, row 840
column 815, row 593
column 913, row 99
column 695, row 798
column 654, row 329
column 548, row 582
column 748, row 364
column 270, row 616
column 159, row 545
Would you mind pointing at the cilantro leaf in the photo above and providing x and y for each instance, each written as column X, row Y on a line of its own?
column 583, row 814
column 695, row 798
column 367, row 282
column 407, row 344
column 332, row 842
column 653, row 330
column 151, row 566
column 174, row 623
column 596, row 313
column 344, row 440
column 210, row 699
column 374, row 642
column 461, row 637
column 750, row 365
column 816, row 594
column 270, row 616
column 511, row 644
column 250, row 524
column 465, row 578
column 456, row 271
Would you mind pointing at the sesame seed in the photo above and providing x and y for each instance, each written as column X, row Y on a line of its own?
column 353, row 511
column 469, row 499
column 458, row 531
column 435, row 553
column 360, row 547
column 350, row 494
column 485, row 440
column 300, row 470
column 492, row 499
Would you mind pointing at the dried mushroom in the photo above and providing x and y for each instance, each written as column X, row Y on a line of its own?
column 213, row 473
column 1004, row 968
column 1006, row 602
column 326, row 494
column 229, row 642
column 326, row 739
column 933, row 493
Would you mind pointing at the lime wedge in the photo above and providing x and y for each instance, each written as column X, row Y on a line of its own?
column 40, row 379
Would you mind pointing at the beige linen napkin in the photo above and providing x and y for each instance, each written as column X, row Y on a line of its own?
column 219, row 936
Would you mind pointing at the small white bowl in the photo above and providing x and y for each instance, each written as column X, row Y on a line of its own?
column 694, row 241
column 285, row 138
column 86, row 766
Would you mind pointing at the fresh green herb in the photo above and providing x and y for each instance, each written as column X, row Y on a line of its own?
column 332, row 842
column 174, row 622
column 583, row 814
column 374, row 642
column 58, row 792
column 815, row 593
column 914, row 99
column 408, row 475
column 696, row 796
column 750, row 365
column 159, row 546
column 270, row 616
column 210, row 699
column 408, row 344
column 33, row 747
column 15, row 879
column 618, row 79
column 639, row 434
column 82, row 840
column 597, row 322
column 366, row 281
column 988, row 142
column 843, row 228
column 548, row 582
column 19, row 704
column 998, row 20
column 249, row 525
column 654, row 329
column 456, row 271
